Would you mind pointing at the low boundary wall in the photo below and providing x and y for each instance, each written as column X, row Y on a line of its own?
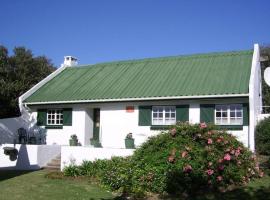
column 30, row 157
column 77, row 154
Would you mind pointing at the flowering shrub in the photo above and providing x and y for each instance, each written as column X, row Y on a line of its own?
column 187, row 158
column 191, row 157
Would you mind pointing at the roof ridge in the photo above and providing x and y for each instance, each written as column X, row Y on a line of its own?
column 166, row 58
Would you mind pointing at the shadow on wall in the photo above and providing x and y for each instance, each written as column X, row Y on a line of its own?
column 9, row 130
column 22, row 161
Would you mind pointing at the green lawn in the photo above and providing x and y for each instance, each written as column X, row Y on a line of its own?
column 34, row 185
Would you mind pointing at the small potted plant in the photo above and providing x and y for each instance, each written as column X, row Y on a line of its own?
column 12, row 152
column 73, row 141
column 129, row 141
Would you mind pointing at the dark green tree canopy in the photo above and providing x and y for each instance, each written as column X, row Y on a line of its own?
column 265, row 62
column 18, row 73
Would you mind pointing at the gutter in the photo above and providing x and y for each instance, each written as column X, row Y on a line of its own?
column 139, row 99
column 38, row 85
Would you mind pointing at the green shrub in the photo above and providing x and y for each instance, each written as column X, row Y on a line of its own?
column 262, row 137
column 87, row 168
column 189, row 158
column 116, row 174
column 185, row 159
column 72, row 170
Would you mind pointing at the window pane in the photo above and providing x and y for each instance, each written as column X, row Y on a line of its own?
column 173, row 115
column 160, row 115
column 224, row 114
column 167, row 115
column 218, row 114
column 232, row 114
column 155, row 115
column 239, row 114
column 223, row 108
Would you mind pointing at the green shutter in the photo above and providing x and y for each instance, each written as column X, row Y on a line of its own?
column 182, row 113
column 42, row 117
column 67, row 116
column 207, row 112
column 245, row 114
column 145, row 115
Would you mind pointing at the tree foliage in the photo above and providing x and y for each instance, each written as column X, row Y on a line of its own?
column 18, row 73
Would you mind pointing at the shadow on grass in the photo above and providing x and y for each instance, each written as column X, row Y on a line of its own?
column 247, row 193
column 6, row 173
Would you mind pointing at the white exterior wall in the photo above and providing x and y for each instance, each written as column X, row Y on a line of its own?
column 255, row 96
column 194, row 113
column 76, row 155
column 81, row 126
column 116, row 122
column 30, row 157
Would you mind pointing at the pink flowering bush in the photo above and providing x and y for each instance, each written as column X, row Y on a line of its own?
column 189, row 158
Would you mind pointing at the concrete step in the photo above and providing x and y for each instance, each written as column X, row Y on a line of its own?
column 54, row 164
column 52, row 168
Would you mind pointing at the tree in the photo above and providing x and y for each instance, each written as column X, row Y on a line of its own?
column 265, row 57
column 18, row 73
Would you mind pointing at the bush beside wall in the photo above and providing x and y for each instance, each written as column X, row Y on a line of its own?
column 185, row 159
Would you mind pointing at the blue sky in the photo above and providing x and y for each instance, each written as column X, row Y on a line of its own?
column 103, row 30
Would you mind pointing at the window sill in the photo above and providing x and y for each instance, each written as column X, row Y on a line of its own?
column 54, row 126
column 160, row 127
column 231, row 127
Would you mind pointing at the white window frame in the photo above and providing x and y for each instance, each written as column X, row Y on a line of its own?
column 229, row 117
column 56, row 117
column 164, row 119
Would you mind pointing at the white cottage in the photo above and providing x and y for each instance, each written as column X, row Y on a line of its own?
column 102, row 103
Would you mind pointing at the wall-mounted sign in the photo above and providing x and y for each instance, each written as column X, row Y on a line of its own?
column 130, row 109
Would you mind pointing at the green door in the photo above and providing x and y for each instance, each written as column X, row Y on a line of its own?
column 96, row 124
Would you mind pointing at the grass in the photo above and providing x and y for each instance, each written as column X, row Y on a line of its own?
column 33, row 185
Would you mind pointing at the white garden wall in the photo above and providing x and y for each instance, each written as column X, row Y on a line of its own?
column 76, row 155
column 30, row 157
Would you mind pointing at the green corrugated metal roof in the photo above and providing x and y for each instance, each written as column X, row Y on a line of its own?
column 201, row 74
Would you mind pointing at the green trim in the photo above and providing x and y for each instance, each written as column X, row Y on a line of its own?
column 41, row 117
column 182, row 113
column 67, row 116
column 230, row 127
column 54, row 127
column 159, row 127
column 245, row 114
column 207, row 113
column 145, row 115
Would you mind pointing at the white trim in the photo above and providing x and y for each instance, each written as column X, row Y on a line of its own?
column 164, row 115
column 39, row 85
column 229, row 114
column 252, row 100
column 139, row 99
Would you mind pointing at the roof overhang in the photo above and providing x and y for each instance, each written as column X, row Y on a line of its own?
column 138, row 99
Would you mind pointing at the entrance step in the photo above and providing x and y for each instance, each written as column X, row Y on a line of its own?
column 54, row 164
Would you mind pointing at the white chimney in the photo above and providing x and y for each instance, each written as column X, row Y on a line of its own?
column 70, row 61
